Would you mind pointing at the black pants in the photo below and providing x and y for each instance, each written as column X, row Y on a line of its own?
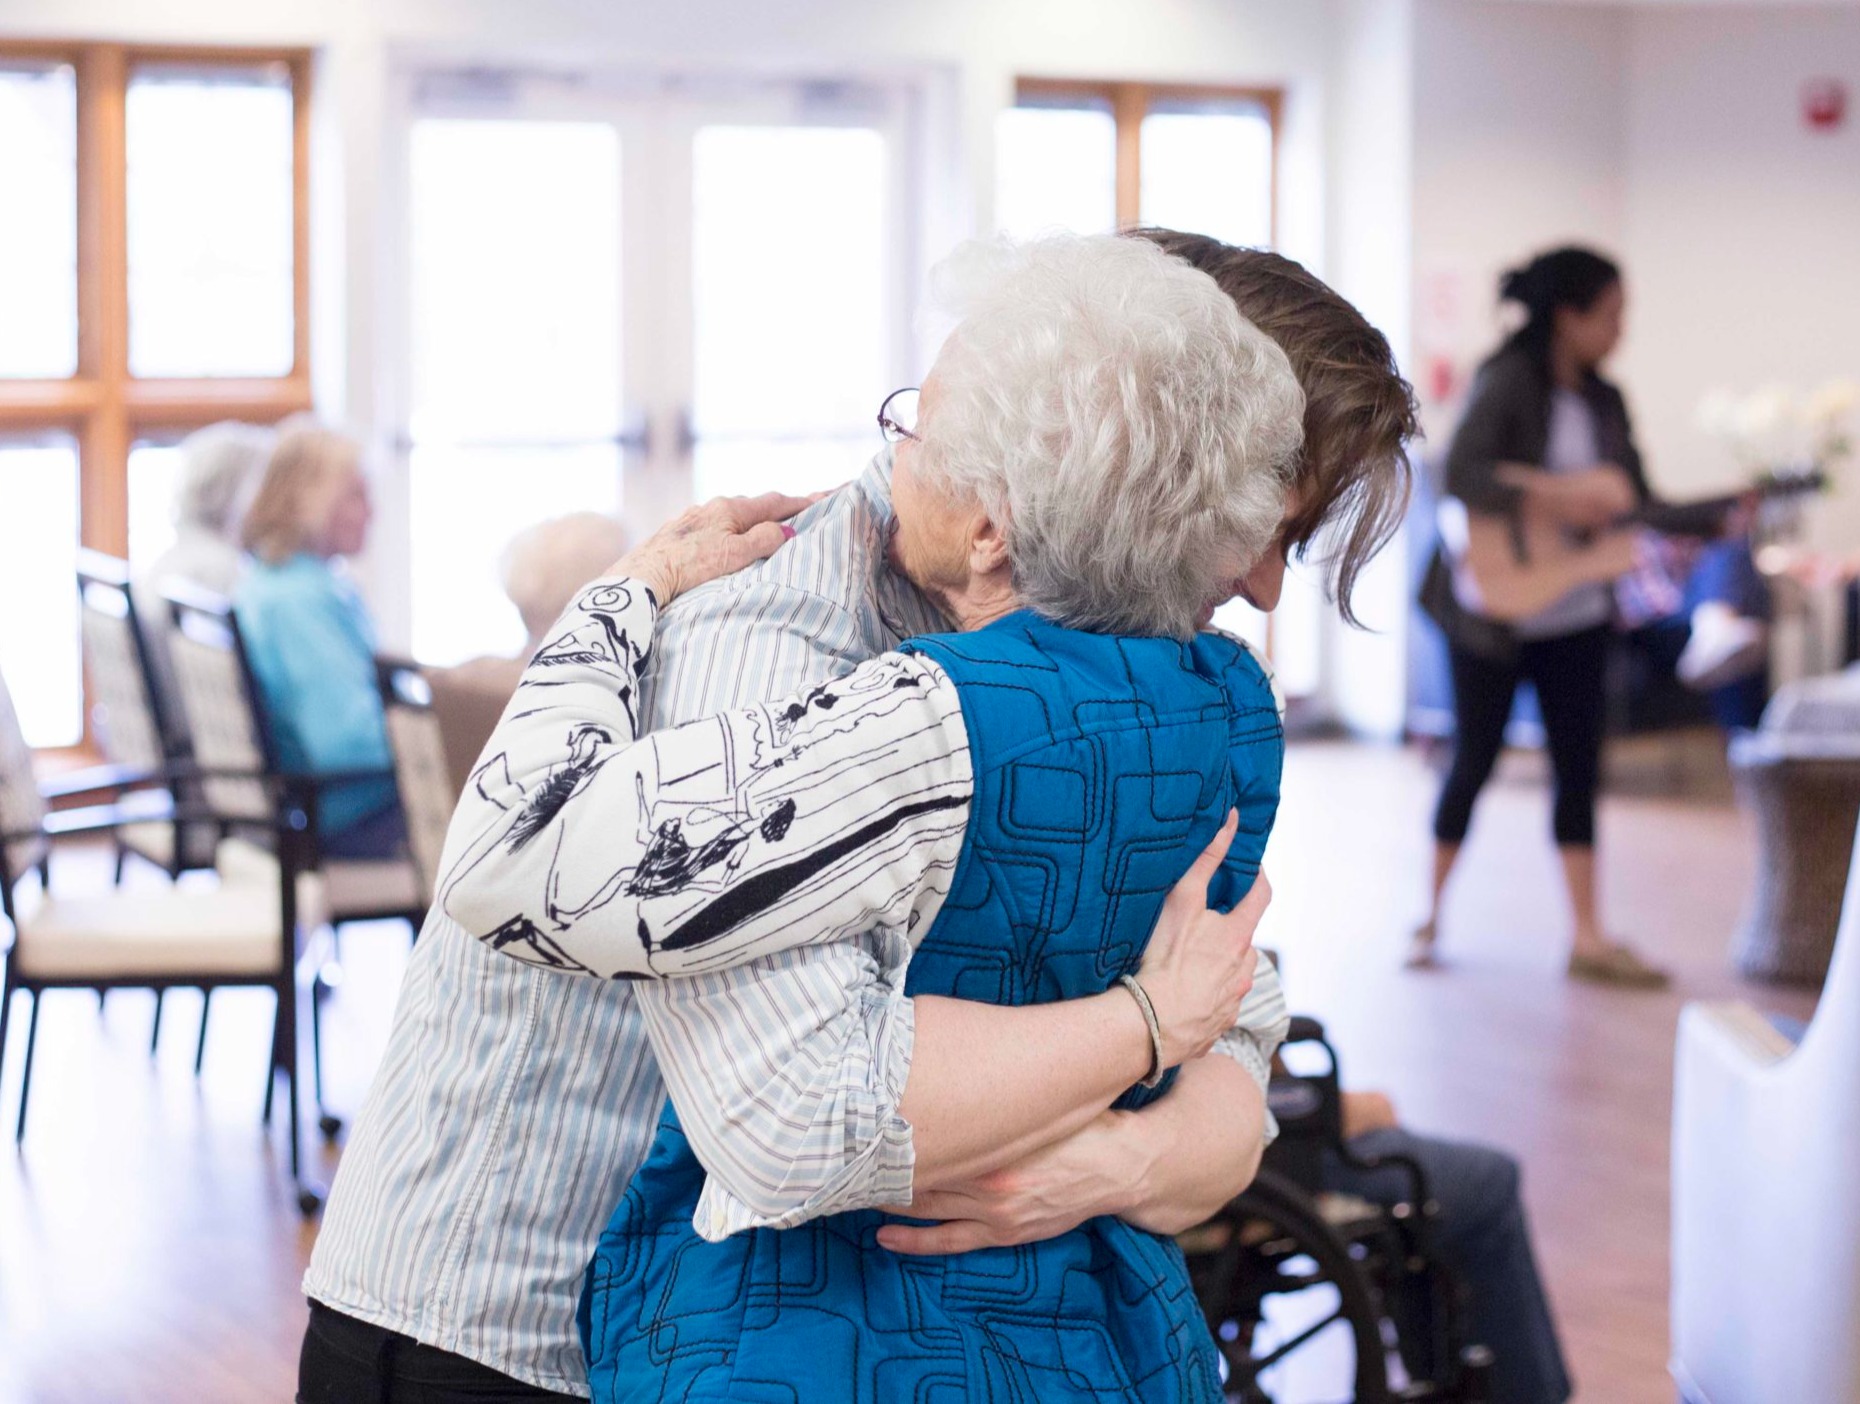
column 346, row 1361
column 1567, row 673
column 1483, row 1237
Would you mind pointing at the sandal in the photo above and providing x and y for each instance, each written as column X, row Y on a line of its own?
column 1421, row 949
column 1616, row 965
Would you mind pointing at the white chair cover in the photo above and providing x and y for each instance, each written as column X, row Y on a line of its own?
column 1766, row 1204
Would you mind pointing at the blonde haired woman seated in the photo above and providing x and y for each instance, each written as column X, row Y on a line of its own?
column 311, row 640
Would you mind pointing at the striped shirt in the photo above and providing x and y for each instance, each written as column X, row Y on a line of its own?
column 514, row 1103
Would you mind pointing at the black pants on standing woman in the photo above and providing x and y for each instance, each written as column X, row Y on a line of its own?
column 1567, row 674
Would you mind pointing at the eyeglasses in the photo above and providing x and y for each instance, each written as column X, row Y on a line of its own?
column 897, row 417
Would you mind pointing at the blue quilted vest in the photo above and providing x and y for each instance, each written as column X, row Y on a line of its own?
column 1102, row 766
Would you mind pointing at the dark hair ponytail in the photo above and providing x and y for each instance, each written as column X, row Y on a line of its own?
column 1565, row 277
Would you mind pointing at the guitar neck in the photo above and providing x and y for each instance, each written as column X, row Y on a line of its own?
column 1705, row 516
column 1701, row 518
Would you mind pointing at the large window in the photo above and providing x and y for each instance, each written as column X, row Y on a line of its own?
column 622, row 300
column 1092, row 157
column 153, row 279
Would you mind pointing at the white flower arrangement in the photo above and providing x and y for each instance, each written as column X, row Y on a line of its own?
column 1778, row 428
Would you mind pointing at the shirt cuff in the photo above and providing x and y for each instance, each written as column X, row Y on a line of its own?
column 880, row 1174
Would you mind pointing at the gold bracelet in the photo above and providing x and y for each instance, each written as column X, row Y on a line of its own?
column 1142, row 997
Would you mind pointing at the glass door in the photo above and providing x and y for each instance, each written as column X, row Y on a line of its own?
column 792, row 326
column 625, row 298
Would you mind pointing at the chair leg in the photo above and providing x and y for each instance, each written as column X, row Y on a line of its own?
column 309, row 1197
column 200, row 1048
column 101, row 992
column 272, row 1064
column 25, row 1076
column 330, row 1126
column 155, row 1029
column 122, row 856
column 6, row 1008
column 316, row 1040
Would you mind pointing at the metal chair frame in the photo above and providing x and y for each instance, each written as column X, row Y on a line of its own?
column 290, row 823
column 1276, row 1238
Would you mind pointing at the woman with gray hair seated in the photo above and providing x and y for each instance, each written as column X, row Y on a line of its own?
column 220, row 468
column 1098, row 458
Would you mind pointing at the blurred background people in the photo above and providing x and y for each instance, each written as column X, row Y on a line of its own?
column 220, row 469
column 1543, row 427
column 311, row 639
column 541, row 569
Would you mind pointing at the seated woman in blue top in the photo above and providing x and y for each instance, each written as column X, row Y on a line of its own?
column 1101, row 454
column 311, row 642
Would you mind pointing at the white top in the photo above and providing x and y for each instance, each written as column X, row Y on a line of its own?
column 1572, row 446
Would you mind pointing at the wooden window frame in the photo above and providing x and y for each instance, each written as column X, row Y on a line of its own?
column 103, row 406
column 1130, row 102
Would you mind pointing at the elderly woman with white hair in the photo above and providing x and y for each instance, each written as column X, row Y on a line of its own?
column 220, row 466
column 1098, row 458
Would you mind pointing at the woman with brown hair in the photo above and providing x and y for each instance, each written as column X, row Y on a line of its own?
column 310, row 638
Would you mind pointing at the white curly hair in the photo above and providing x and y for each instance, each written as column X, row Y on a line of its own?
column 1109, row 407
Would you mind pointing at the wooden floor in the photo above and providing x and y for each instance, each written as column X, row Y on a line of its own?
column 150, row 1249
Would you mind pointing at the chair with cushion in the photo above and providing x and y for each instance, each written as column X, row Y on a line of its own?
column 1766, row 1212
column 244, row 931
column 232, row 732
column 245, row 787
column 131, row 722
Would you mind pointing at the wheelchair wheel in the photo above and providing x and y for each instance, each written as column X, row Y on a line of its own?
column 1267, row 1258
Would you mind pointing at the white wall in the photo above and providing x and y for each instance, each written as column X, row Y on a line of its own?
column 1518, row 145
column 1371, row 220
column 1742, row 229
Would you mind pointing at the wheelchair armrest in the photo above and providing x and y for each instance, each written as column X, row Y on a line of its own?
column 1304, row 1029
column 1407, row 1165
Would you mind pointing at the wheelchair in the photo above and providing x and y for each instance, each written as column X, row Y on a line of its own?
column 1297, row 1282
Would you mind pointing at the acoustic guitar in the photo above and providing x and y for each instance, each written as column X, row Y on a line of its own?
column 1508, row 568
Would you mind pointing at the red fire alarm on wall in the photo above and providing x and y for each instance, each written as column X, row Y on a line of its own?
column 1824, row 104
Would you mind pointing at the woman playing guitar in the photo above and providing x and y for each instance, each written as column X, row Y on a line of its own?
column 1544, row 464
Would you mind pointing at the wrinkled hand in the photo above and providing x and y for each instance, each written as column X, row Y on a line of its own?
column 1091, row 1172
column 710, row 540
column 1199, row 963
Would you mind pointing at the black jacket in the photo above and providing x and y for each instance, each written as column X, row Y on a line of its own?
column 1507, row 420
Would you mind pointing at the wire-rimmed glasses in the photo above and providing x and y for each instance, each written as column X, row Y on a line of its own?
column 897, row 417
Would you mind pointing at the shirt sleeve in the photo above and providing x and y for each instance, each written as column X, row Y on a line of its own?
column 1485, row 436
column 832, row 812
column 787, row 1069
column 1258, row 1031
column 799, row 1118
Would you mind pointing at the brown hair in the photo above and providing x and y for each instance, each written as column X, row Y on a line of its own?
column 1353, row 475
column 293, row 504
